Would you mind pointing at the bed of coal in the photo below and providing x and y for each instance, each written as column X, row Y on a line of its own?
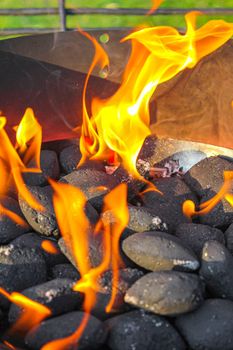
column 175, row 289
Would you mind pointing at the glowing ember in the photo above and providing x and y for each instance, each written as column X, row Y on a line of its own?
column 49, row 247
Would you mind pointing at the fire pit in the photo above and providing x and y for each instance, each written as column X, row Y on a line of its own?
column 133, row 248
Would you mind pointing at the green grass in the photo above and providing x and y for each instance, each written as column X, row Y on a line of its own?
column 104, row 21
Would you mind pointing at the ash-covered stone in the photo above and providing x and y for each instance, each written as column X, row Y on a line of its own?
column 63, row 326
column 207, row 175
column 33, row 240
column 210, row 327
column 43, row 222
column 92, row 182
column 69, row 158
column 168, row 205
column 140, row 219
column 9, row 229
column 127, row 277
column 20, row 268
column 95, row 255
column 65, row 271
column 158, row 251
column 56, row 294
column 217, row 270
column 137, row 330
column 229, row 238
column 166, row 292
column 134, row 185
column 49, row 166
column 146, row 155
column 196, row 235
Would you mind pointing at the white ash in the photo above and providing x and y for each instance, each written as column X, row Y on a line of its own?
column 50, row 294
column 6, row 250
column 170, row 168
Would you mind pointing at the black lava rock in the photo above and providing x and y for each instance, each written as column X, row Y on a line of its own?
column 207, row 175
column 166, row 292
column 229, row 238
column 210, row 327
column 158, row 251
column 69, row 158
column 49, row 166
column 63, row 326
column 196, row 235
column 168, row 205
column 58, row 145
column 134, row 185
column 205, row 179
column 217, row 269
column 137, row 330
column 220, row 216
column 65, row 271
column 127, row 277
column 21, row 268
column 8, row 228
column 93, row 183
column 33, row 240
column 43, row 222
column 56, row 294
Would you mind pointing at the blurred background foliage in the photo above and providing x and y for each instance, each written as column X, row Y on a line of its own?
column 90, row 21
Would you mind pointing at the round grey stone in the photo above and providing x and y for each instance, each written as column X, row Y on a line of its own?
column 210, row 327
column 56, row 294
column 217, row 269
column 166, row 292
column 196, row 235
column 9, row 229
column 158, row 251
column 137, row 330
column 63, row 326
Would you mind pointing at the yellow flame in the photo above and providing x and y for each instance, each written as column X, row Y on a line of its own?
column 12, row 168
column 29, row 138
column 121, row 123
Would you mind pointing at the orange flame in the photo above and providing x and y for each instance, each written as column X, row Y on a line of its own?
column 155, row 6
column 33, row 312
column 121, row 122
column 205, row 207
column 75, row 228
column 49, row 247
column 13, row 216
